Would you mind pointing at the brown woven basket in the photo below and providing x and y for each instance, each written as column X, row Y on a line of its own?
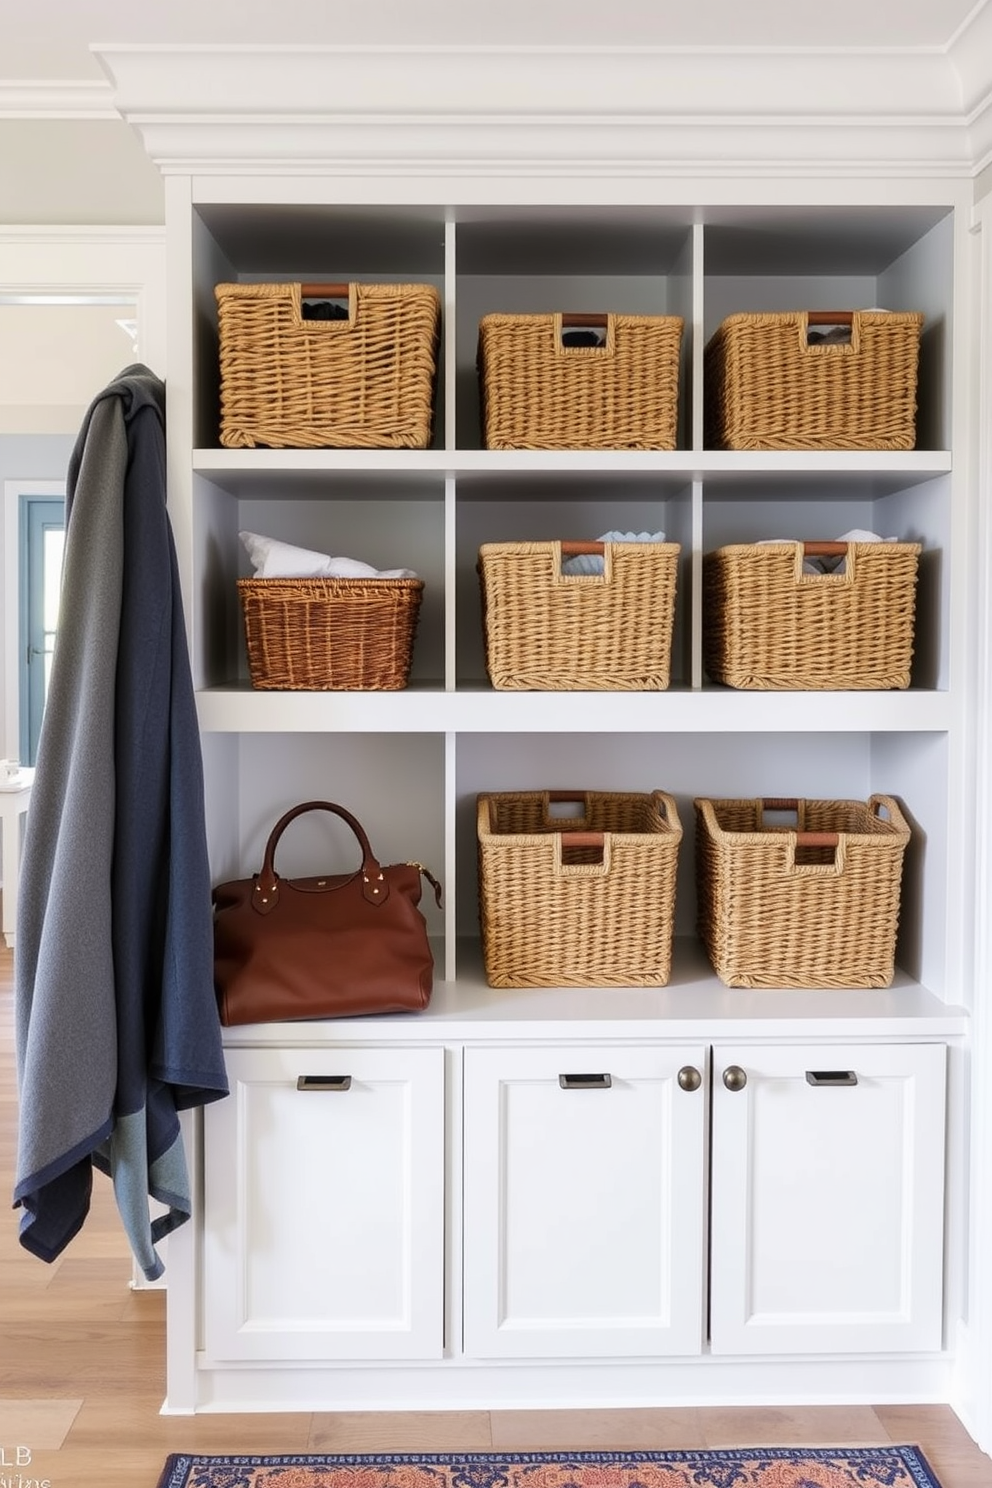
column 769, row 624
column 815, row 905
column 362, row 383
column 766, row 387
column 342, row 635
column 588, row 901
column 538, row 394
column 549, row 631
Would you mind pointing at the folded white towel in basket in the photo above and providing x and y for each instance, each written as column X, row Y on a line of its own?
column 272, row 559
column 831, row 565
column 592, row 563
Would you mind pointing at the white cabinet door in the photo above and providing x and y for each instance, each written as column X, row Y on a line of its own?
column 827, row 1199
column 584, row 1182
column 324, row 1206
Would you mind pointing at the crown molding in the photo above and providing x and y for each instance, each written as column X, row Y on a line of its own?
column 970, row 55
column 541, row 111
column 57, row 100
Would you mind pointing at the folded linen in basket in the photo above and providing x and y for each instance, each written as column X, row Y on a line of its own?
column 272, row 559
column 592, row 563
column 830, row 565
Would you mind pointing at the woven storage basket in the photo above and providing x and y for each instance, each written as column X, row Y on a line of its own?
column 815, row 905
column 769, row 624
column 548, row 631
column 586, row 901
column 538, row 394
column 362, row 383
column 316, row 635
column 767, row 388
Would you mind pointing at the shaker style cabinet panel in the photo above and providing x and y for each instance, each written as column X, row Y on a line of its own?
column 324, row 1206
column 585, row 1194
column 827, row 1191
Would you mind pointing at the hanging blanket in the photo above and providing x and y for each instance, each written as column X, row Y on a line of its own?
column 116, row 1019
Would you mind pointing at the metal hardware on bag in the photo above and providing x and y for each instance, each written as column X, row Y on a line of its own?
column 734, row 1077
column 825, row 1078
column 435, row 885
column 585, row 1082
column 324, row 1082
column 689, row 1078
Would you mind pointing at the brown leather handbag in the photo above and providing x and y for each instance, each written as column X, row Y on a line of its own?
column 343, row 945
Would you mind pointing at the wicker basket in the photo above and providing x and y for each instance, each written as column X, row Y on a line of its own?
column 362, row 383
column 814, row 905
column 549, row 631
column 586, row 901
column 768, row 388
column 767, row 623
column 538, row 394
column 340, row 635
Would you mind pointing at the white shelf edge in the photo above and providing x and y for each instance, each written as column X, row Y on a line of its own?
column 689, row 463
column 695, row 1006
column 240, row 709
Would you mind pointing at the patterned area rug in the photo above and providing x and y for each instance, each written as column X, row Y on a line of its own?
column 750, row 1467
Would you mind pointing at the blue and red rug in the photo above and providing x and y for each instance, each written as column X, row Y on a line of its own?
column 744, row 1467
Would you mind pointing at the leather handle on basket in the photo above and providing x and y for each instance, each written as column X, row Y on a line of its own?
column 830, row 317
column 824, row 549
column 582, row 839
column 375, row 887
column 803, row 839
column 324, row 291
column 571, row 549
column 585, row 318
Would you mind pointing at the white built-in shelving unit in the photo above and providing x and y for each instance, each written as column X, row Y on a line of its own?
column 459, row 1230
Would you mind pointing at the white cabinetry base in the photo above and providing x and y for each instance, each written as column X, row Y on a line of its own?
column 453, row 1386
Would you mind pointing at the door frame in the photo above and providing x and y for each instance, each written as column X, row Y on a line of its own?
column 14, row 491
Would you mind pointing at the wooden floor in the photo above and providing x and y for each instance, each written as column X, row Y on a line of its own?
column 82, row 1372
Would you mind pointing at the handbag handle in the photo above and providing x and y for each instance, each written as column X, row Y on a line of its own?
column 374, row 886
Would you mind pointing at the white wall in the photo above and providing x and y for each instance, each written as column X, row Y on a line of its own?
column 86, row 171
column 55, row 359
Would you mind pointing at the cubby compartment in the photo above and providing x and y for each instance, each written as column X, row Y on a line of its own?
column 584, row 505
column 823, row 506
column 386, row 522
column 395, row 787
column 305, row 244
column 842, row 258
column 527, row 261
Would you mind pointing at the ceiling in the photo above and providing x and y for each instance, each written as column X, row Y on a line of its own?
column 50, row 41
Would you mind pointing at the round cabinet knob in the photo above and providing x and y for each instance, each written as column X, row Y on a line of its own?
column 689, row 1078
column 734, row 1077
